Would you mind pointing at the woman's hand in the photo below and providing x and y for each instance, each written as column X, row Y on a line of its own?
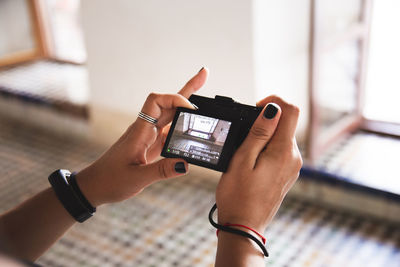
column 260, row 174
column 128, row 166
column 123, row 171
column 263, row 169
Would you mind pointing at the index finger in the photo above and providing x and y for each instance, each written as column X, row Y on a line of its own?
column 195, row 83
column 158, row 105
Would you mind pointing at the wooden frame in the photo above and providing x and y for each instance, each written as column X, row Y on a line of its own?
column 41, row 37
column 43, row 47
column 42, row 31
column 317, row 139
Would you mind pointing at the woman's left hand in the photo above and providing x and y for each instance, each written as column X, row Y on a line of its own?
column 128, row 166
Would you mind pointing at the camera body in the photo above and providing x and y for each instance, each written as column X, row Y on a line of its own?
column 209, row 136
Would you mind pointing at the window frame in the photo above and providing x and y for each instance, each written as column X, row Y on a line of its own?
column 41, row 37
column 317, row 140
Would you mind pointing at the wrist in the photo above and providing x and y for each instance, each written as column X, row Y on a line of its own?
column 227, row 228
column 248, row 230
column 235, row 250
column 244, row 241
column 87, row 184
column 64, row 185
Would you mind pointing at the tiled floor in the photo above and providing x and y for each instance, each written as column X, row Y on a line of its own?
column 166, row 225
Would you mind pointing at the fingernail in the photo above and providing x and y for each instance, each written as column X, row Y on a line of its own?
column 201, row 69
column 270, row 111
column 180, row 167
column 196, row 107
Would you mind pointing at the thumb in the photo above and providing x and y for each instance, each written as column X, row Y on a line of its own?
column 259, row 135
column 163, row 169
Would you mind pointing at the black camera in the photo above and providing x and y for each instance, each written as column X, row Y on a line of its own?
column 209, row 136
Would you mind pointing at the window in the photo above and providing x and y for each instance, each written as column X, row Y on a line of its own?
column 201, row 126
column 355, row 90
column 382, row 109
column 338, row 45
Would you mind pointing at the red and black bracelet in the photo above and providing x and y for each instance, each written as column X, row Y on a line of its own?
column 227, row 228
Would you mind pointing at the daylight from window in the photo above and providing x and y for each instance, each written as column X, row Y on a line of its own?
column 383, row 78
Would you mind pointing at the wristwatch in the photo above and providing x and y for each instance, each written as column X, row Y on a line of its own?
column 69, row 194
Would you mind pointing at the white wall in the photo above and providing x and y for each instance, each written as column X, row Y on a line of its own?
column 15, row 28
column 136, row 47
column 252, row 48
column 281, row 43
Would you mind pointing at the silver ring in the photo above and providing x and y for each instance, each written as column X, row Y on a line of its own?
column 147, row 118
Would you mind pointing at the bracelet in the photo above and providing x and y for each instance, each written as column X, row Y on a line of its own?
column 226, row 228
column 68, row 197
column 75, row 188
column 264, row 240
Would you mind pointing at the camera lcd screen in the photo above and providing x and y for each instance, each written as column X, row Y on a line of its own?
column 199, row 137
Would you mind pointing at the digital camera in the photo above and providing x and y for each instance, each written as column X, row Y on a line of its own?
column 209, row 136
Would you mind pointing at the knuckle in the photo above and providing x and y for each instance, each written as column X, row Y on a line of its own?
column 285, row 147
column 286, row 154
column 189, row 83
column 298, row 162
column 162, row 170
column 284, row 104
column 152, row 96
column 294, row 159
column 295, row 110
column 259, row 132
column 276, row 98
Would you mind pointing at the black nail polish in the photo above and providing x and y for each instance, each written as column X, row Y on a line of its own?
column 201, row 69
column 270, row 111
column 180, row 167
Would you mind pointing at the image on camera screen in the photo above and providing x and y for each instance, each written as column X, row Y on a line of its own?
column 199, row 137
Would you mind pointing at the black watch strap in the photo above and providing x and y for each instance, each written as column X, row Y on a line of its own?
column 68, row 198
column 75, row 188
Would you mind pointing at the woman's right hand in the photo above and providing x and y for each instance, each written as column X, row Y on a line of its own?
column 263, row 169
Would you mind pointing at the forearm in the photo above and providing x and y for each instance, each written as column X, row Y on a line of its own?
column 32, row 227
column 122, row 172
column 234, row 250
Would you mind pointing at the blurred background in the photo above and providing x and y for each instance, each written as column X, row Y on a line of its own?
column 74, row 74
